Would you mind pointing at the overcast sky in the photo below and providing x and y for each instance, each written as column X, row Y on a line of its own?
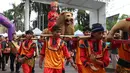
column 7, row 4
column 118, row 6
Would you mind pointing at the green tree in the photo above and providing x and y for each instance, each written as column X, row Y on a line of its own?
column 16, row 14
column 17, row 11
column 8, row 15
column 83, row 18
column 62, row 9
column 110, row 24
column 111, row 21
column 78, row 27
column 124, row 16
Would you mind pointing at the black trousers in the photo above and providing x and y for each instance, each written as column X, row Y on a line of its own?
column 12, row 61
column 7, row 57
column 2, row 61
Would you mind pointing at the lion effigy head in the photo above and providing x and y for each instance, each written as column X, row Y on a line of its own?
column 64, row 18
column 66, row 22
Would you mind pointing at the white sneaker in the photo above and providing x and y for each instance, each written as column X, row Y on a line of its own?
column 6, row 64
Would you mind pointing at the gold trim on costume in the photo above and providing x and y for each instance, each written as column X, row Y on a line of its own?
column 56, row 47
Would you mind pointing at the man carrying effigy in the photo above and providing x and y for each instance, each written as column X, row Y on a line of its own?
column 123, row 64
column 92, row 54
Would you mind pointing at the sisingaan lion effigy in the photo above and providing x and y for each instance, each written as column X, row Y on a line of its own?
column 66, row 23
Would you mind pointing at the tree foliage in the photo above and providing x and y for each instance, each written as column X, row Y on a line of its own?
column 16, row 14
column 78, row 27
column 62, row 9
column 8, row 15
column 83, row 18
column 124, row 16
column 111, row 21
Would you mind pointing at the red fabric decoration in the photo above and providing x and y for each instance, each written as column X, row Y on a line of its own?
column 127, row 19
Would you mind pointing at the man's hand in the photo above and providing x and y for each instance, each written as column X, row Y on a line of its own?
column 40, row 64
column 99, row 62
column 54, row 17
column 92, row 57
column 74, row 66
column 109, row 37
column 21, row 60
column 93, row 67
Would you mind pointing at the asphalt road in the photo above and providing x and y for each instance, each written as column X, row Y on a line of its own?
column 69, row 69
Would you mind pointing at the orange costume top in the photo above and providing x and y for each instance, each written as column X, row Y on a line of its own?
column 27, row 49
column 54, row 51
column 124, row 53
column 88, row 47
column 52, row 17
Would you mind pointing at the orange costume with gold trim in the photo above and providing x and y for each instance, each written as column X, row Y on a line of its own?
column 27, row 49
column 54, row 54
column 123, row 64
column 85, row 49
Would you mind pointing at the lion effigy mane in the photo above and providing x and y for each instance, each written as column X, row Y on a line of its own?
column 66, row 23
column 123, row 25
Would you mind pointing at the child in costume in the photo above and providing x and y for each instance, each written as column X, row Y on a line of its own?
column 52, row 15
column 26, row 53
column 92, row 54
column 53, row 52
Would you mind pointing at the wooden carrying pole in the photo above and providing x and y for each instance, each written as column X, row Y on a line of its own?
column 88, row 37
column 67, row 36
column 78, row 37
column 62, row 36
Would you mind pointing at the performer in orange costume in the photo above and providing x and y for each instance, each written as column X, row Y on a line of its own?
column 52, row 15
column 53, row 51
column 123, row 64
column 26, row 53
column 86, row 32
column 92, row 54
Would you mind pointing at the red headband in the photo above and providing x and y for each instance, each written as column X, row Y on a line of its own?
column 54, row 3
